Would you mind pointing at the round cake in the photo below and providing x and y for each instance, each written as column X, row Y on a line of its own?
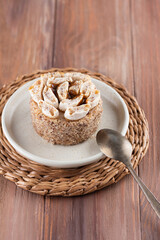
column 66, row 108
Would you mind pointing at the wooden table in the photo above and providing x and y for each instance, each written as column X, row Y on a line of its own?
column 119, row 38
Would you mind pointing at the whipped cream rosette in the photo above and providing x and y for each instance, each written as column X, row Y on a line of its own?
column 72, row 93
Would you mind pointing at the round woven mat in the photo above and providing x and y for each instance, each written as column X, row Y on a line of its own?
column 70, row 182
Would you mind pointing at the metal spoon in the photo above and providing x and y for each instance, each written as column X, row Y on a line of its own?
column 114, row 145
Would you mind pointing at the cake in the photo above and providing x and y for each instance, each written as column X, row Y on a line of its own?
column 66, row 108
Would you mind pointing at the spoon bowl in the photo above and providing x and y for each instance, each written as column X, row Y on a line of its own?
column 114, row 145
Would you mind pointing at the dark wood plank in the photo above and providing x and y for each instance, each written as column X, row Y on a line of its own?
column 27, row 37
column 146, row 52
column 95, row 35
column 26, row 44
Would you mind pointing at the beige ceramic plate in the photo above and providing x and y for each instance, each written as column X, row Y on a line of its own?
column 17, row 127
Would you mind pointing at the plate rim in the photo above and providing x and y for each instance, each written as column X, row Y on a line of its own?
column 57, row 163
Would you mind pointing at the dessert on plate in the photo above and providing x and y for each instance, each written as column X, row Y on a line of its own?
column 66, row 108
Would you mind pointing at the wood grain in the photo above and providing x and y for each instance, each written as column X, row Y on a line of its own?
column 26, row 39
column 146, row 53
column 117, row 38
column 26, row 44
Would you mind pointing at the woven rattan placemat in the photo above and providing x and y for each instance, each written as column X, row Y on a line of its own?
column 71, row 182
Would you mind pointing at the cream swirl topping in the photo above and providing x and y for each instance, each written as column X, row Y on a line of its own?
column 72, row 93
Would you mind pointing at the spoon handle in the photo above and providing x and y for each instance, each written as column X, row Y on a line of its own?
column 150, row 197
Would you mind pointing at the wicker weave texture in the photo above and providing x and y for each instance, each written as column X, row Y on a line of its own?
column 79, row 181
